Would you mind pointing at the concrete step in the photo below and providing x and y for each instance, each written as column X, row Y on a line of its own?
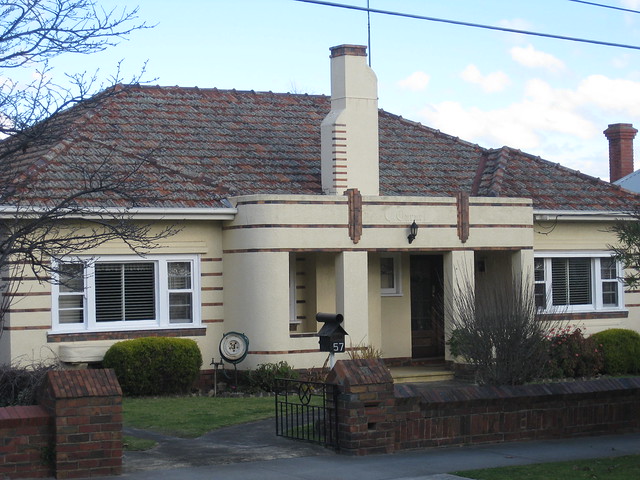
column 420, row 374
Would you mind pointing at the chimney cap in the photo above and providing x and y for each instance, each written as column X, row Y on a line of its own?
column 620, row 128
column 351, row 50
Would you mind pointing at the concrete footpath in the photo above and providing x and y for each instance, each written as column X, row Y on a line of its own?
column 252, row 451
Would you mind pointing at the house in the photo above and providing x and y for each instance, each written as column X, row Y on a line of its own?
column 291, row 204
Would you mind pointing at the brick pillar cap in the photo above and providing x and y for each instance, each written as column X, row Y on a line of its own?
column 83, row 383
column 359, row 372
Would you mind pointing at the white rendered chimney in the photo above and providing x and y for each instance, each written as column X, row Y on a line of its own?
column 349, row 132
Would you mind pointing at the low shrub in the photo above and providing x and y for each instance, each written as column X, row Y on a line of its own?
column 19, row 384
column 154, row 365
column 572, row 355
column 621, row 348
column 265, row 375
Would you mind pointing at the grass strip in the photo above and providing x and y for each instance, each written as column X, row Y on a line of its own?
column 614, row 468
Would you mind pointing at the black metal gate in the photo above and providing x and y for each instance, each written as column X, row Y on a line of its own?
column 307, row 411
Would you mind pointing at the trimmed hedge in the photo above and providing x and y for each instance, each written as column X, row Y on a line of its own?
column 154, row 365
column 621, row 349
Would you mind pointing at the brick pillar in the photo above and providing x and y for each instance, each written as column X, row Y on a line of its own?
column 365, row 406
column 87, row 410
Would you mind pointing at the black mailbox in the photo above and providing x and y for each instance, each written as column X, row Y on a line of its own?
column 331, row 334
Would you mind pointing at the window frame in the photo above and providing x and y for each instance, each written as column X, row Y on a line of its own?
column 162, row 294
column 396, row 290
column 595, row 279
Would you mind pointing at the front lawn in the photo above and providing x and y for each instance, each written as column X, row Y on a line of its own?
column 193, row 416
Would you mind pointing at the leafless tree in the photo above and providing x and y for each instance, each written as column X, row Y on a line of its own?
column 37, row 228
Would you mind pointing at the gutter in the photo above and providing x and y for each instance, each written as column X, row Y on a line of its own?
column 573, row 215
column 152, row 213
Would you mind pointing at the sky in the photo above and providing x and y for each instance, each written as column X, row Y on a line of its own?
column 547, row 97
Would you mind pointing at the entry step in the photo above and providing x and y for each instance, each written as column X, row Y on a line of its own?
column 420, row 374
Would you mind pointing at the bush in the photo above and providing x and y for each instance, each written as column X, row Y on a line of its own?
column 621, row 348
column 572, row 355
column 497, row 330
column 265, row 375
column 19, row 384
column 155, row 365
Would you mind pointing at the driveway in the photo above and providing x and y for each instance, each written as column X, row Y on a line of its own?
column 249, row 442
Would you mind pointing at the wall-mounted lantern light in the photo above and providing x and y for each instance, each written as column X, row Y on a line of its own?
column 413, row 231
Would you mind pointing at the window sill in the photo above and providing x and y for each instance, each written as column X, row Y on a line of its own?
column 303, row 335
column 595, row 314
column 126, row 334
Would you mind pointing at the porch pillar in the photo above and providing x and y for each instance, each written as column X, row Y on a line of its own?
column 352, row 295
column 459, row 274
column 522, row 265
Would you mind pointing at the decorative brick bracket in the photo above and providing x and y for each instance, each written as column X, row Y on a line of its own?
column 354, row 199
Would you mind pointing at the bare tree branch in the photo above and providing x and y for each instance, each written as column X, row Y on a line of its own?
column 38, row 227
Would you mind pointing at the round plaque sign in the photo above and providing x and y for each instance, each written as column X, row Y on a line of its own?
column 234, row 347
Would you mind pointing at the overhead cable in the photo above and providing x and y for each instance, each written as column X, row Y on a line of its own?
column 467, row 24
column 606, row 6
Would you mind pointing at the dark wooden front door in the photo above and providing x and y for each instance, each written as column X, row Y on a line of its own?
column 427, row 318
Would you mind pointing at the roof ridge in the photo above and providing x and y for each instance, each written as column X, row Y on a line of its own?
column 223, row 90
column 435, row 131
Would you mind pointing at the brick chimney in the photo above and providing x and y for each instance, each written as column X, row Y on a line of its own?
column 349, row 133
column 620, row 136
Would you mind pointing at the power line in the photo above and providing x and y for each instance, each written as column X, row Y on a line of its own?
column 467, row 24
column 606, row 6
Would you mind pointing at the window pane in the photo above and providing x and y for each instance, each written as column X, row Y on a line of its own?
column 109, row 292
column 139, row 291
column 71, row 277
column 538, row 269
column 571, row 281
column 387, row 274
column 179, row 275
column 579, row 281
column 608, row 269
column 125, row 291
column 540, row 293
column 180, row 308
column 610, row 294
column 71, row 308
column 70, row 316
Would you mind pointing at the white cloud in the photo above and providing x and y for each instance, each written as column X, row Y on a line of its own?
column 492, row 82
column 634, row 4
column 561, row 125
column 415, row 82
column 532, row 58
column 612, row 95
column 515, row 24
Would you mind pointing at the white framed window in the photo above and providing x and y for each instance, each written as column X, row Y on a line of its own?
column 577, row 282
column 126, row 293
column 390, row 278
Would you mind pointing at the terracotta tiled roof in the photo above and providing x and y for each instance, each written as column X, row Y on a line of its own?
column 190, row 147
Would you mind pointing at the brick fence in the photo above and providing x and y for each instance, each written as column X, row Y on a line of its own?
column 75, row 432
column 377, row 417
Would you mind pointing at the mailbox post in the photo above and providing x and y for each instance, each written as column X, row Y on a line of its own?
column 331, row 335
